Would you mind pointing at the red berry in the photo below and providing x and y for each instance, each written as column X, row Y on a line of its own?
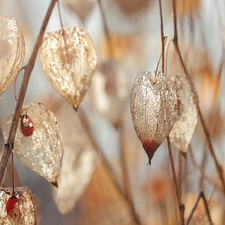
column 26, row 125
column 11, row 203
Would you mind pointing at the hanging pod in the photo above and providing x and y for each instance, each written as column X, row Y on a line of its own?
column 68, row 58
column 187, row 99
column 12, row 51
column 38, row 141
column 20, row 208
column 154, row 109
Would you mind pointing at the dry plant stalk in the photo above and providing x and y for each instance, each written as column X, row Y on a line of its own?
column 181, row 206
column 8, row 147
column 207, row 135
column 201, row 195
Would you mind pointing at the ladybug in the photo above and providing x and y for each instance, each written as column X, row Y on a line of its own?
column 26, row 125
column 10, row 204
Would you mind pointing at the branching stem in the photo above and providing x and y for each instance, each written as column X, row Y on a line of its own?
column 8, row 147
column 207, row 135
column 201, row 195
column 125, row 175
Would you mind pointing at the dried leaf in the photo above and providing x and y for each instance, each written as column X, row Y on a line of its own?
column 12, row 51
column 23, row 211
column 38, row 142
column 79, row 161
column 153, row 107
column 184, row 127
column 68, row 58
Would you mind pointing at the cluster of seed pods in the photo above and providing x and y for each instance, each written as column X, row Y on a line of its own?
column 163, row 105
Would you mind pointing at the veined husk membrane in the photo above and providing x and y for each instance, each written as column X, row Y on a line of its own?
column 161, row 104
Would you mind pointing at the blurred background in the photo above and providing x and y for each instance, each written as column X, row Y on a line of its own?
column 105, row 178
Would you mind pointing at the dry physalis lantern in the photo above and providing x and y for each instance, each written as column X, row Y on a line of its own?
column 19, row 208
column 38, row 142
column 68, row 58
column 153, row 105
column 184, row 127
column 12, row 51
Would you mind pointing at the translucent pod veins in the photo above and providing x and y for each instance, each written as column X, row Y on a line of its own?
column 12, row 51
column 20, row 208
column 38, row 142
column 68, row 58
column 153, row 105
column 184, row 127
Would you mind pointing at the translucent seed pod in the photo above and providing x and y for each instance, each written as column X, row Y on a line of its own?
column 38, row 141
column 153, row 105
column 12, row 51
column 68, row 58
column 184, row 127
column 22, row 207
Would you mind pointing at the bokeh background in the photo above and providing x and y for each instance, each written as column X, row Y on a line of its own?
column 120, row 188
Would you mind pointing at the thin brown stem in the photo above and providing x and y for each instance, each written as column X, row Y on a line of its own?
column 181, row 206
column 201, row 195
column 27, row 72
column 105, row 27
column 207, row 135
column 60, row 16
column 211, row 150
column 126, row 176
column 180, row 173
column 13, row 181
column 111, row 173
column 109, row 169
column 201, row 179
column 63, row 33
column 162, row 36
column 208, row 179
column 175, row 37
column 199, row 167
